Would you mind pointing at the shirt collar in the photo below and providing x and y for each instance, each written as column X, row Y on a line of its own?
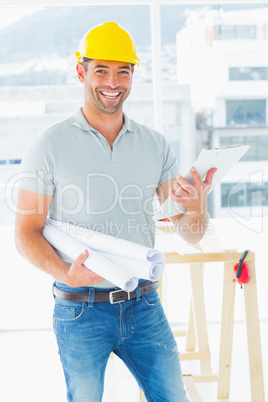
column 79, row 120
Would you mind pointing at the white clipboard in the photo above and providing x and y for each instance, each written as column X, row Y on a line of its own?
column 221, row 158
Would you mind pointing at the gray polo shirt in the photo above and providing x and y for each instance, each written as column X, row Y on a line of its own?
column 110, row 191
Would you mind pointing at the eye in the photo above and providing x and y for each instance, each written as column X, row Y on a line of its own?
column 125, row 72
column 100, row 71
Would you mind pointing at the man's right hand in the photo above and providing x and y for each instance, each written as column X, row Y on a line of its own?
column 79, row 275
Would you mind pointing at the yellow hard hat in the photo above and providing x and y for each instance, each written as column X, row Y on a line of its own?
column 108, row 41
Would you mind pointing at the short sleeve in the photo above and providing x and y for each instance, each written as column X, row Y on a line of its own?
column 37, row 168
column 170, row 167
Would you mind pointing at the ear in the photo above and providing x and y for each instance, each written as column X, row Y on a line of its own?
column 80, row 72
column 132, row 68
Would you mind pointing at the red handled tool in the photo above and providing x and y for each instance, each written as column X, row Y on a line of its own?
column 241, row 270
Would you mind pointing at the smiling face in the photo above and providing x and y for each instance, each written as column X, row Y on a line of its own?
column 107, row 84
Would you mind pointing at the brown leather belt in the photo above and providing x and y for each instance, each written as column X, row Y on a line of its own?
column 115, row 296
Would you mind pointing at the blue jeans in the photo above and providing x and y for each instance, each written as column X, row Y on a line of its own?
column 135, row 330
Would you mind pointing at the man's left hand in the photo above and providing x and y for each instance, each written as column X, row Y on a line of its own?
column 193, row 197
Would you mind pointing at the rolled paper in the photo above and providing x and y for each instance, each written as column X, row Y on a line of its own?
column 109, row 244
column 141, row 269
column 72, row 248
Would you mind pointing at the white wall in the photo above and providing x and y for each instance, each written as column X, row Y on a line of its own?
column 243, row 53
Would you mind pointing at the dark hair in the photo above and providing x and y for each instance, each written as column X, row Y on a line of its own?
column 85, row 62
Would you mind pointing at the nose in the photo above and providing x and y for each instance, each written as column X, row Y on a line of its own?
column 112, row 81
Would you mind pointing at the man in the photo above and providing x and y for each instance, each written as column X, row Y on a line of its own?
column 101, row 170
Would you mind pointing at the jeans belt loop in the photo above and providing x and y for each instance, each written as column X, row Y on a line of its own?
column 138, row 293
column 53, row 284
column 91, row 293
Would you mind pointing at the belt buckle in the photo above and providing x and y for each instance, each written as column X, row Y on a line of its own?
column 117, row 291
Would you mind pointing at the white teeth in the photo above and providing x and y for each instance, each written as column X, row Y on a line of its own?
column 110, row 94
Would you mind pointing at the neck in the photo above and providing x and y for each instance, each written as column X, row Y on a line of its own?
column 109, row 125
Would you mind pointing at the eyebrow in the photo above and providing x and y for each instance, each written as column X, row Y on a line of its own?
column 103, row 66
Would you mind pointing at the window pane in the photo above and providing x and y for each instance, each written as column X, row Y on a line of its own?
column 244, row 195
column 247, row 112
column 233, row 195
column 245, row 32
column 39, row 49
column 258, row 146
column 248, row 73
column 227, row 32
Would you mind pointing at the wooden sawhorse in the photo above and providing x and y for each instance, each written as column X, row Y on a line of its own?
column 197, row 316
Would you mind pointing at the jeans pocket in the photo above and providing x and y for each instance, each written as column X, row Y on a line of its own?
column 152, row 299
column 68, row 313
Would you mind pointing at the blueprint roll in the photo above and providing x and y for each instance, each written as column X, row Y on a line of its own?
column 109, row 244
column 72, row 248
column 141, row 269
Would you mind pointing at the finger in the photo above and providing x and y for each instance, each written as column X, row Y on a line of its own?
column 181, row 183
column 210, row 175
column 181, row 195
column 196, row 177
column 82, row 257
column 179, row 191
column 183, row 201
column 175, row 197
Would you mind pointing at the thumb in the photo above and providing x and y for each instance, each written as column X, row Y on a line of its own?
column 83, row 256
column 210, row 175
